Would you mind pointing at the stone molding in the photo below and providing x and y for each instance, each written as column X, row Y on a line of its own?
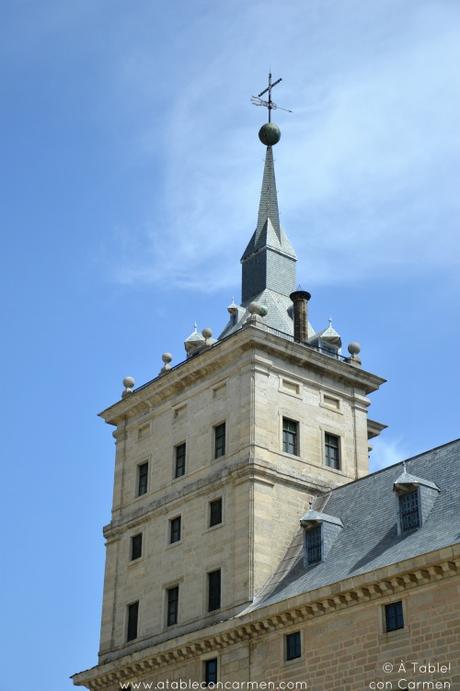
column 390, row 580
column 187, row 373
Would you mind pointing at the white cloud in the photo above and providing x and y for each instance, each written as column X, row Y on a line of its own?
column 387, row 452
column 367, row 167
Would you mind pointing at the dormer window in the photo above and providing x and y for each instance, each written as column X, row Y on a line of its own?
column 313, row 544
column 409, row 511
column 320, row 532
column 415, row 497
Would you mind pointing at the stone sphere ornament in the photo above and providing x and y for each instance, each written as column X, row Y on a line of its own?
column 207, row 333
column 269, row 134
column 167, row 358
column 129, row 382
column 354, row 348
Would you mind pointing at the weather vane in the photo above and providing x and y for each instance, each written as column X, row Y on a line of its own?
column 270, row 105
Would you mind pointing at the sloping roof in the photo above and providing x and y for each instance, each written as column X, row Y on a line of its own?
column 279, row 315
column 369, row 538
column 406, row 479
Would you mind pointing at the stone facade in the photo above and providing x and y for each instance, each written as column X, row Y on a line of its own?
column 344, row 643
column 251, row 382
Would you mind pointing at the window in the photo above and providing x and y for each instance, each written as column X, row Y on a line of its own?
column 142, row 478
column 133, row 614
column 290, row 434
column 172, row 605
column 180, row 460
column 394, row 618
column 313, row 544
column 215, row 512
column 293, row 646
column 136, row 546
column 214, row 582
column 409, row 511
column 210, row 671
column 219, row 440
column 332, row 450
column 175, row 529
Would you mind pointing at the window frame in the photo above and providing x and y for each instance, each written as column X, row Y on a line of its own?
column 216, row 500
column 143, row 476
column 219, row 443
column 398, row 617
column 286, row 445
column 316, row 545
column 172, row 527
column 129, row 622
column 206, row 662
column 405, row 524
column 174, row 603
column 327, row 445
column 183, row 460
column 212, row 596
column 132, row 543
column 298, row 646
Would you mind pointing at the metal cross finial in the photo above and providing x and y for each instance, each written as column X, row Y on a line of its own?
column 270, row 105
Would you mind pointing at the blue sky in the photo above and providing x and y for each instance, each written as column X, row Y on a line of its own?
column 130, row 175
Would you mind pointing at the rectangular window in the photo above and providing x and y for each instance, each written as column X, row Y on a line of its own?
column 172, row 605
column 210, row 671
column 332, row 450
column 313, row 544
column 409, row 511
column 394, row 618
column 214, row 583
column 133, row 615
column 175, row 529
column 219, row 440
column 136, row 546
column 142, row 478
column 290, row 435
column 180, row 460
column 215, row 512
column 293, row 646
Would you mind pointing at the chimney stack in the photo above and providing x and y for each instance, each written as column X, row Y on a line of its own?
column 300, row 300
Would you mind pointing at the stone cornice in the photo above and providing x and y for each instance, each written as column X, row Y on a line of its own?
column 387, row 581
column 187, row 373
column 242, row 470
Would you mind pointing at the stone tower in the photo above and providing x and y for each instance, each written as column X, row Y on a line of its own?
column 219, row 456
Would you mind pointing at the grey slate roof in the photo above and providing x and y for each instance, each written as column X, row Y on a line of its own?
column 369, row 538
column 279, row 315
column 268, row 231
column 407, row 479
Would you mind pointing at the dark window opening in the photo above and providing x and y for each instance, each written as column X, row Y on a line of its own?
column 293, row 646
column 313, row 544
column 290, row 436
column 219, row 440
column 136, row 546
column 332, row 450
column 175, row 529
column 210, row 671
column 133, row 616
column 409, row 511
column 173, row 605
column 214, row 587
column 215, row 512
column 394, row 618
column 142, row 478
column 180, row 460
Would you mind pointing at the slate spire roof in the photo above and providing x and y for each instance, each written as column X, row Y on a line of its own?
column 268, row 231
